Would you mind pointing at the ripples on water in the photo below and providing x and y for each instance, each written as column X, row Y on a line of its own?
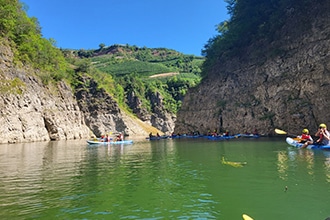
column 161, row 180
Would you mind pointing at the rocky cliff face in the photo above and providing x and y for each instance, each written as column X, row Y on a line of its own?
column 31, row 111
column 260, row 89
column 159, row 117
column 102, row 114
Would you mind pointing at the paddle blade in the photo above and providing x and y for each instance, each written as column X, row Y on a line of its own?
column 278, row 131
column 246, row 217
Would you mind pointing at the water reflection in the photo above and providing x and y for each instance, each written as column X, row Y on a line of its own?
column 31, row 170
column 309, row 160
column 113, row 149
column 164, row 179
column 308, row 156
column 282, row 165
column 327, row 165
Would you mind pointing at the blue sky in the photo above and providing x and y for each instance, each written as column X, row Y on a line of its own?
column 182, row 25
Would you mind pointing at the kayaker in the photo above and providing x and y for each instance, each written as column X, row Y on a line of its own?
column 120, row 137
column 106, row 138
column 305, row 138
column 255, row 132
column 323, row 135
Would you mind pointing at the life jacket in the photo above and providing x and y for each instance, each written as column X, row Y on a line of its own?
column 306, row 137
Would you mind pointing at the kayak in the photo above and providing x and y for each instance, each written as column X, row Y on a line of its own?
column 157, row 137
column 250, row 135
column 223, row 137
column 173, row 137
column 295, row 143
column 246, row 217
column 186, row 136
column 90, row 142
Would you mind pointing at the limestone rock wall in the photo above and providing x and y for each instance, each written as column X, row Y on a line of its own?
column 159, row 117
column 31, row 111
column 101, row 112
column 39, row 113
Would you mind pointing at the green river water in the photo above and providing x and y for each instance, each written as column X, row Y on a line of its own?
column 165, row 179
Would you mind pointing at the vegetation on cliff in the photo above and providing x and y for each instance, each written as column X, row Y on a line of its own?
column 254, row 21
column 25, row 39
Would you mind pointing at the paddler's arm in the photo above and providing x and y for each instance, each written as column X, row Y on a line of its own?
column 326, row 135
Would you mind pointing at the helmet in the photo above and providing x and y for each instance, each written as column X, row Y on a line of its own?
column 322, row 126
column 305, row 131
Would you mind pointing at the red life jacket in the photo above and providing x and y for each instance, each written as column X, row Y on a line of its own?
column 305, row 137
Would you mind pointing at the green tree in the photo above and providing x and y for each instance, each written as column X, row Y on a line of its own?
column 101, row 45
column 24, row 35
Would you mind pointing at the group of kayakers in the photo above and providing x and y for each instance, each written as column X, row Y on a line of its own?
column 107, row 138
column 322, row 136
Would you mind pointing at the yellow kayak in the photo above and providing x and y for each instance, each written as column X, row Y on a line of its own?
column 246, row 217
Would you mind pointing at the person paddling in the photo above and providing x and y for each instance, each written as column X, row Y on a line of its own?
column 323, row 135
column 120, row 137
column 305, row 138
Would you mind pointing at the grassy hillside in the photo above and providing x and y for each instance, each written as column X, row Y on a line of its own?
column 124, row 69
column 125, row 59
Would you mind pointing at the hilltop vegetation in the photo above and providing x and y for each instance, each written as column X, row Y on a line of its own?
column 254, row 22
column 123, row 70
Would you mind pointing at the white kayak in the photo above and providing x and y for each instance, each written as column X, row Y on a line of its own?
column 296, row 144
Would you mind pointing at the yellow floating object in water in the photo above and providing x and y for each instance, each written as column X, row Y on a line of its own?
column 233, row 164
column 246, row 217
column 279, row 131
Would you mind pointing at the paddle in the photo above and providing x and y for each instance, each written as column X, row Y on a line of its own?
column 246, row 217
column 234, row 164
column 279, row 131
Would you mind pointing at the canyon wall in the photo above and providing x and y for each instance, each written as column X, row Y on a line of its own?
column 32, row 111
column 284, row 84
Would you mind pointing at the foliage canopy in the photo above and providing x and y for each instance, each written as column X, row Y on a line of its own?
column 24, row 35
column 251, row 21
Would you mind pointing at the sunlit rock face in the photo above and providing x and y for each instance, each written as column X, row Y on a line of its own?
column 284, row 84
column 32, row 111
